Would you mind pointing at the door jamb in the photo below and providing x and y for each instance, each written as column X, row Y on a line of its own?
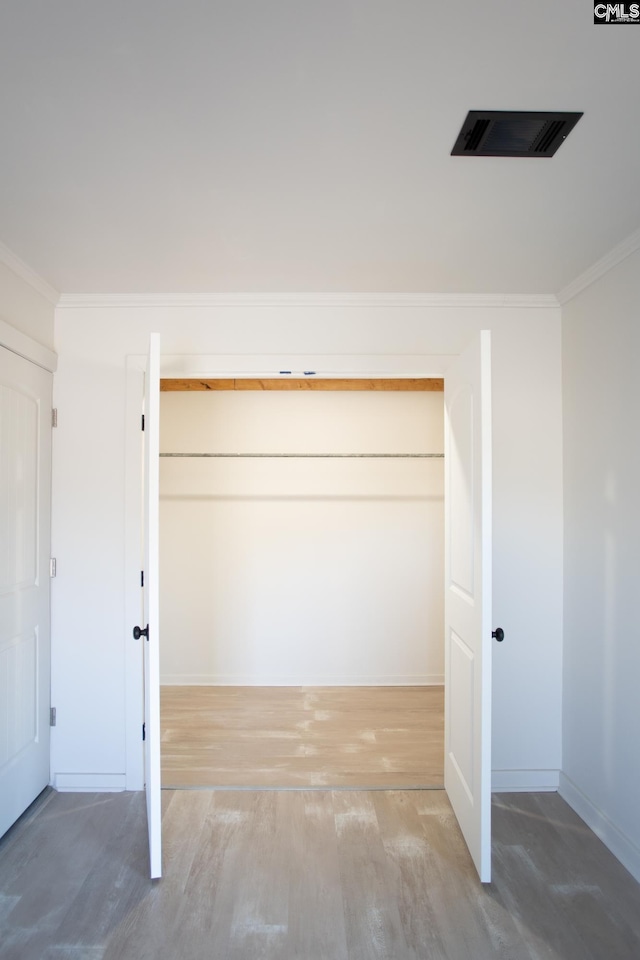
column 352, row 366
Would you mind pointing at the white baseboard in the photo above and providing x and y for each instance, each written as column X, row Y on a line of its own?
column 524, row 781
column 89, row 782
column 620, row 845
column 250, row 680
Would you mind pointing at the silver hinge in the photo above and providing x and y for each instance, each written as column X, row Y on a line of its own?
column 52, row 716
column 52, row 567
column 54, row 417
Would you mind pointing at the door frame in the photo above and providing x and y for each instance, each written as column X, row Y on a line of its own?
column 17, row 342
column 223, row 366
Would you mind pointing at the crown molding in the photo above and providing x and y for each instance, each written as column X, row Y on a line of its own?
column 24, row 271
column 600, row 268
column 282, row 300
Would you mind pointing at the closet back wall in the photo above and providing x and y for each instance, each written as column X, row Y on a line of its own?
column 301, row 571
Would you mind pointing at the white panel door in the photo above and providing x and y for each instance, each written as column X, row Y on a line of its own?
column 468, row 597
column 25, row 497
column 151, row 604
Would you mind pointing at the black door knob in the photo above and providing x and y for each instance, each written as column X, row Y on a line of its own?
column 498, row 634
column 138, row 632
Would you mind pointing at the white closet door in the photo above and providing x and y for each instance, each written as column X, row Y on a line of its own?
column 468, row 597
column 152, row 605
column 25, row 521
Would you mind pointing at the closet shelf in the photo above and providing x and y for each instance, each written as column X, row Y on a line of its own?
column 306, row 456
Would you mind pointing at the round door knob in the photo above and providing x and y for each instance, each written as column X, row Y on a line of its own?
column 139, row 632
column 498, row 634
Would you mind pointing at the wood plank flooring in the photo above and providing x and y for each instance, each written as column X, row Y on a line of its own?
column 302, row 736
column 309, row 875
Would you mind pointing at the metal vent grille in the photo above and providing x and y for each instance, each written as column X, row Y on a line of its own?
column 502, row 133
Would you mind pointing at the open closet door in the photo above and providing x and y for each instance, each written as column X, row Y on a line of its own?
column 468, row 597
column 151, row 604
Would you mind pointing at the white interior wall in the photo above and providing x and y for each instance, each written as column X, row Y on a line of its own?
column 94, row 655
column 601, row 720
column 301, row 571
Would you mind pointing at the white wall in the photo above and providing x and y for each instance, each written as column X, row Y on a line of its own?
column 24, row 308
column 302, row 571
column 92, row 628
column 601, row 357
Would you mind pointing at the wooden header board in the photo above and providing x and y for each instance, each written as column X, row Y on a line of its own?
column 307, row 383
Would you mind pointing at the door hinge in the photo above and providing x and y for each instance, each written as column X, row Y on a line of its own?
column 142, row 578
column 54, row 417
column 144, row 731
column 52, row 716
column 52, row 567
column 143, row 421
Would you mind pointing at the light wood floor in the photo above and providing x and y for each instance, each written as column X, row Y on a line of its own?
column 286, row 875
column 302, row 736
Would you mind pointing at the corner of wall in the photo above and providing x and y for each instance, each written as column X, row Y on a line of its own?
column 601, row 394
column 622, row 846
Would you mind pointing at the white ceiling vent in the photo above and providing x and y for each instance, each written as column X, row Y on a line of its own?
column 508, row 133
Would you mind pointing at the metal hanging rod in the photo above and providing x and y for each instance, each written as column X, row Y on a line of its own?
column 314, row 456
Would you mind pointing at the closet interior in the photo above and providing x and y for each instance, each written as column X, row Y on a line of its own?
column 301, row 583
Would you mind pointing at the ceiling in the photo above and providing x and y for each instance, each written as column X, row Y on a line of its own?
column 252, row 146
